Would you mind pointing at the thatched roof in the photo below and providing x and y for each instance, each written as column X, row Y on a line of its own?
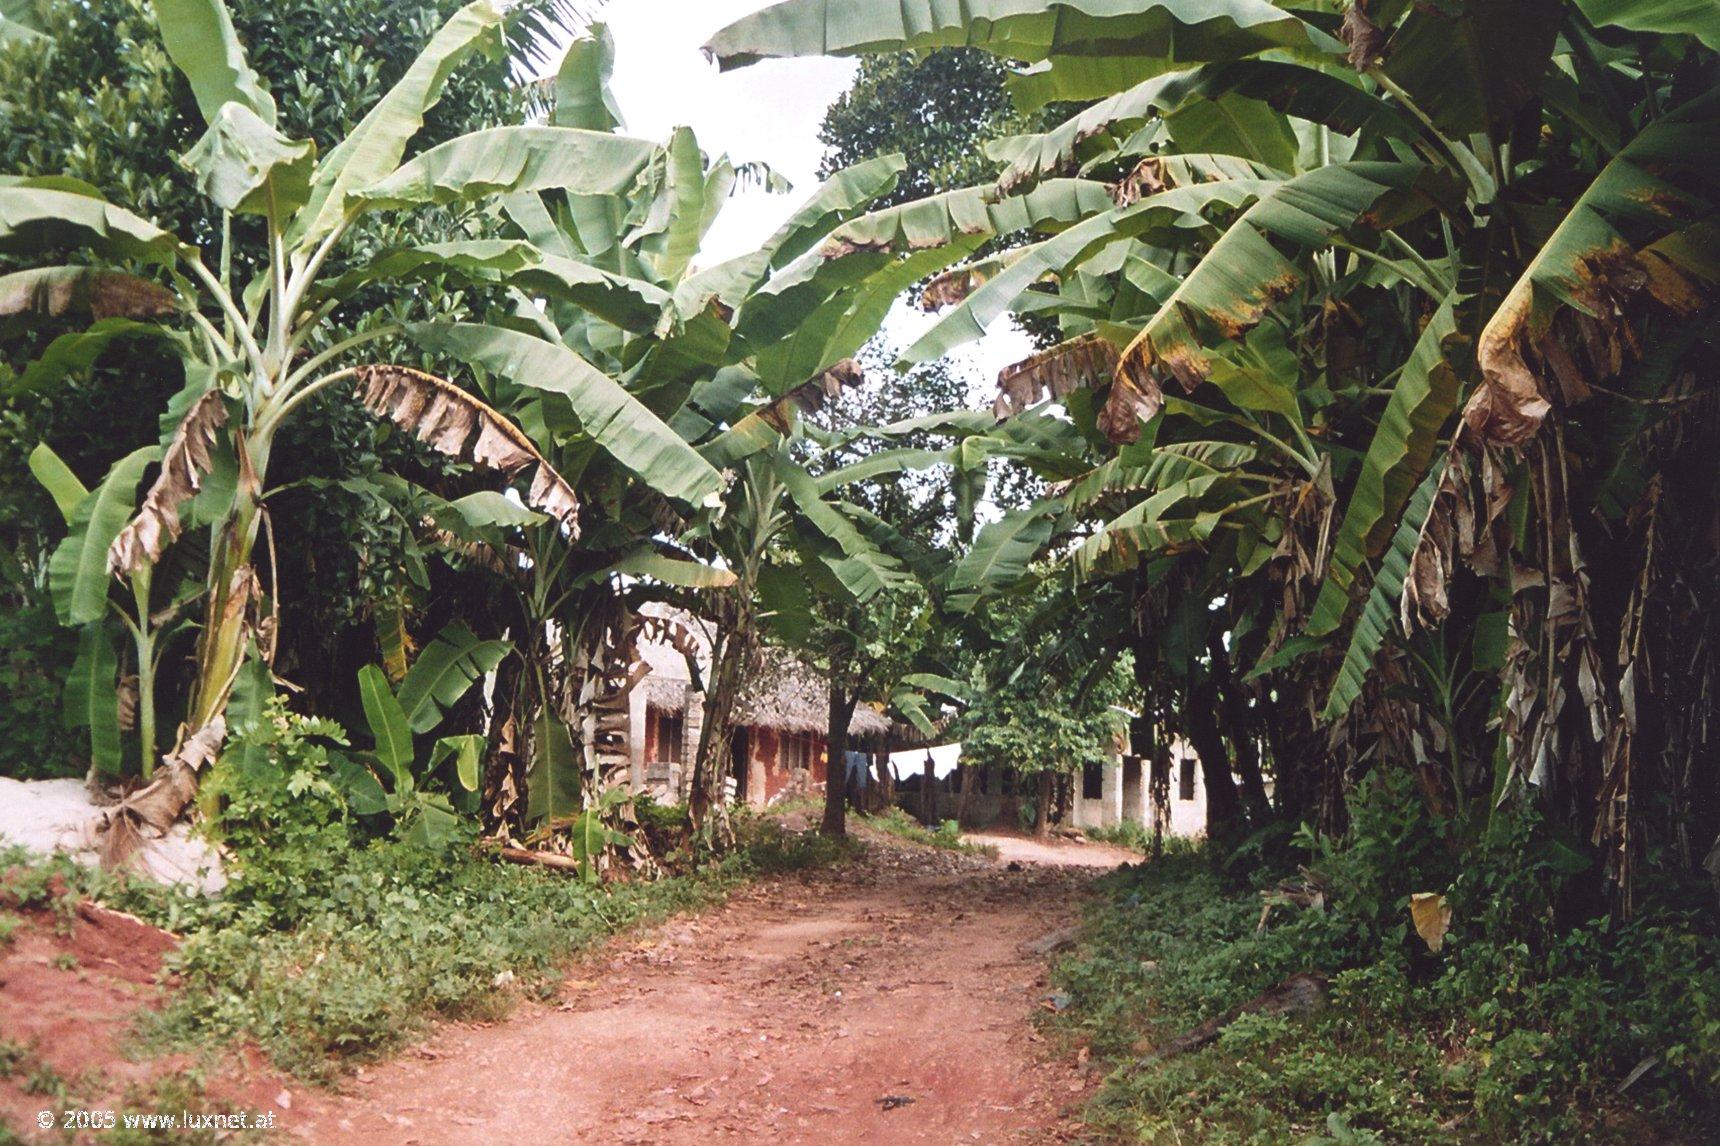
column 789, row 696
column 665, row 693
column 786, row 694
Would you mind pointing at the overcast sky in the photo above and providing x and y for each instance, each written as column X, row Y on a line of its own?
column 768, row 112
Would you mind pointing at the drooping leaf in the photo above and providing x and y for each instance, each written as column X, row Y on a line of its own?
column 509, row 159
column 1697, row 18
column 446, row 669
column 488, row 508
column 53, row 292
column 455, row 423
column 552, row 774
column 1432, row 917
column 187, row 461
column 71, row 353
column 1473, row 65
column 670, row 571
column 1001, row 552
column 247, row 167
column 58, row 479
column 92, row 696
column 388, row 616
column 1327, row 97
column 201, row 42
column 467, row 751
column 430, row 822
column 34, row 218
column 1421, row 401
column 618, row 422
column 863, row 569
column 582, row 95
column 1243, row 275
column 1661, row 184
column 1146, row 527
column 1151, row 31
column 1380, row 612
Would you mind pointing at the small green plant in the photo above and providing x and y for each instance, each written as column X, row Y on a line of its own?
column 9, row 925
column 1128, row 834
column 948, row 834
column 12, row 1055
column 66, row 961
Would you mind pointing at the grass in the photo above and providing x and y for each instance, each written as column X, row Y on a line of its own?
column 1127, row 834
column 894, row 821
column 1502, row 1038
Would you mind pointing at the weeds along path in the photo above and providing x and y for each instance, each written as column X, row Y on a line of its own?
column 803, row 1010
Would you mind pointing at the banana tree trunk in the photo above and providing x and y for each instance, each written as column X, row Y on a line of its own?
column 962, row 805
column 704, row 801
column 228, row 627
column 1042, row 808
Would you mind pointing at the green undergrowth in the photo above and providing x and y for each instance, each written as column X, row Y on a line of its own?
column 894, row 821
column 1519, row 1030
column 1128, row 834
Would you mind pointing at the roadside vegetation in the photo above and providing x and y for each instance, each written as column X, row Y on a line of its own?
column 1517, row 1030
column 339, row 939
column 947, row 835
column 358, row 398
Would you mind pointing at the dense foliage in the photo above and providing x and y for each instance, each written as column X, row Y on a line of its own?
column 1379, row 424
column 1517, row 1031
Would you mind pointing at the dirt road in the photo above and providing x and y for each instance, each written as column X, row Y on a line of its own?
column 885, row 1002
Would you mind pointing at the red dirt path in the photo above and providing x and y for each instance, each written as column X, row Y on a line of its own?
column 784, row 1016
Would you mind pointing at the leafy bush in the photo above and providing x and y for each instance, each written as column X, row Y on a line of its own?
column 894, row 821
column 34, row 658
column 282, row 813
column 1516, row 1031
column 1127, row 834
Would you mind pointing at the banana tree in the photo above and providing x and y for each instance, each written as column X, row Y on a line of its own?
column 731, row 355
column 259, row 349
column 1327, row 237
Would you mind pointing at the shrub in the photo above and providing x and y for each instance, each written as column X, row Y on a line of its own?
column 1519, row 1030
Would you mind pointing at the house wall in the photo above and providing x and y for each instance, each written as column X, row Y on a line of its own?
column 770, row 777
column 1126, row 795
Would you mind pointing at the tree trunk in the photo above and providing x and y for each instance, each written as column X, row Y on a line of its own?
column 1240, row 731
column 928, row 802
column 836, row 766
column 1042, row 808
column 1223, row 807
column 704, row 801
column 229, row 625
column 962, row 805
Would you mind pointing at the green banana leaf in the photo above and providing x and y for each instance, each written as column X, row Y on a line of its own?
column 502, row 160
column 388, row 725
column 78, row 571
column 374, row 148
column 445, row 669
column 201, row 42
column 618, row 422
column 1421, row 402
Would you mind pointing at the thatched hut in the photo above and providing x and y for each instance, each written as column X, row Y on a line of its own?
column 778, row 746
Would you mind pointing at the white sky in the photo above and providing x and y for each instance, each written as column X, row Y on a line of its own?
column 768, row 112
